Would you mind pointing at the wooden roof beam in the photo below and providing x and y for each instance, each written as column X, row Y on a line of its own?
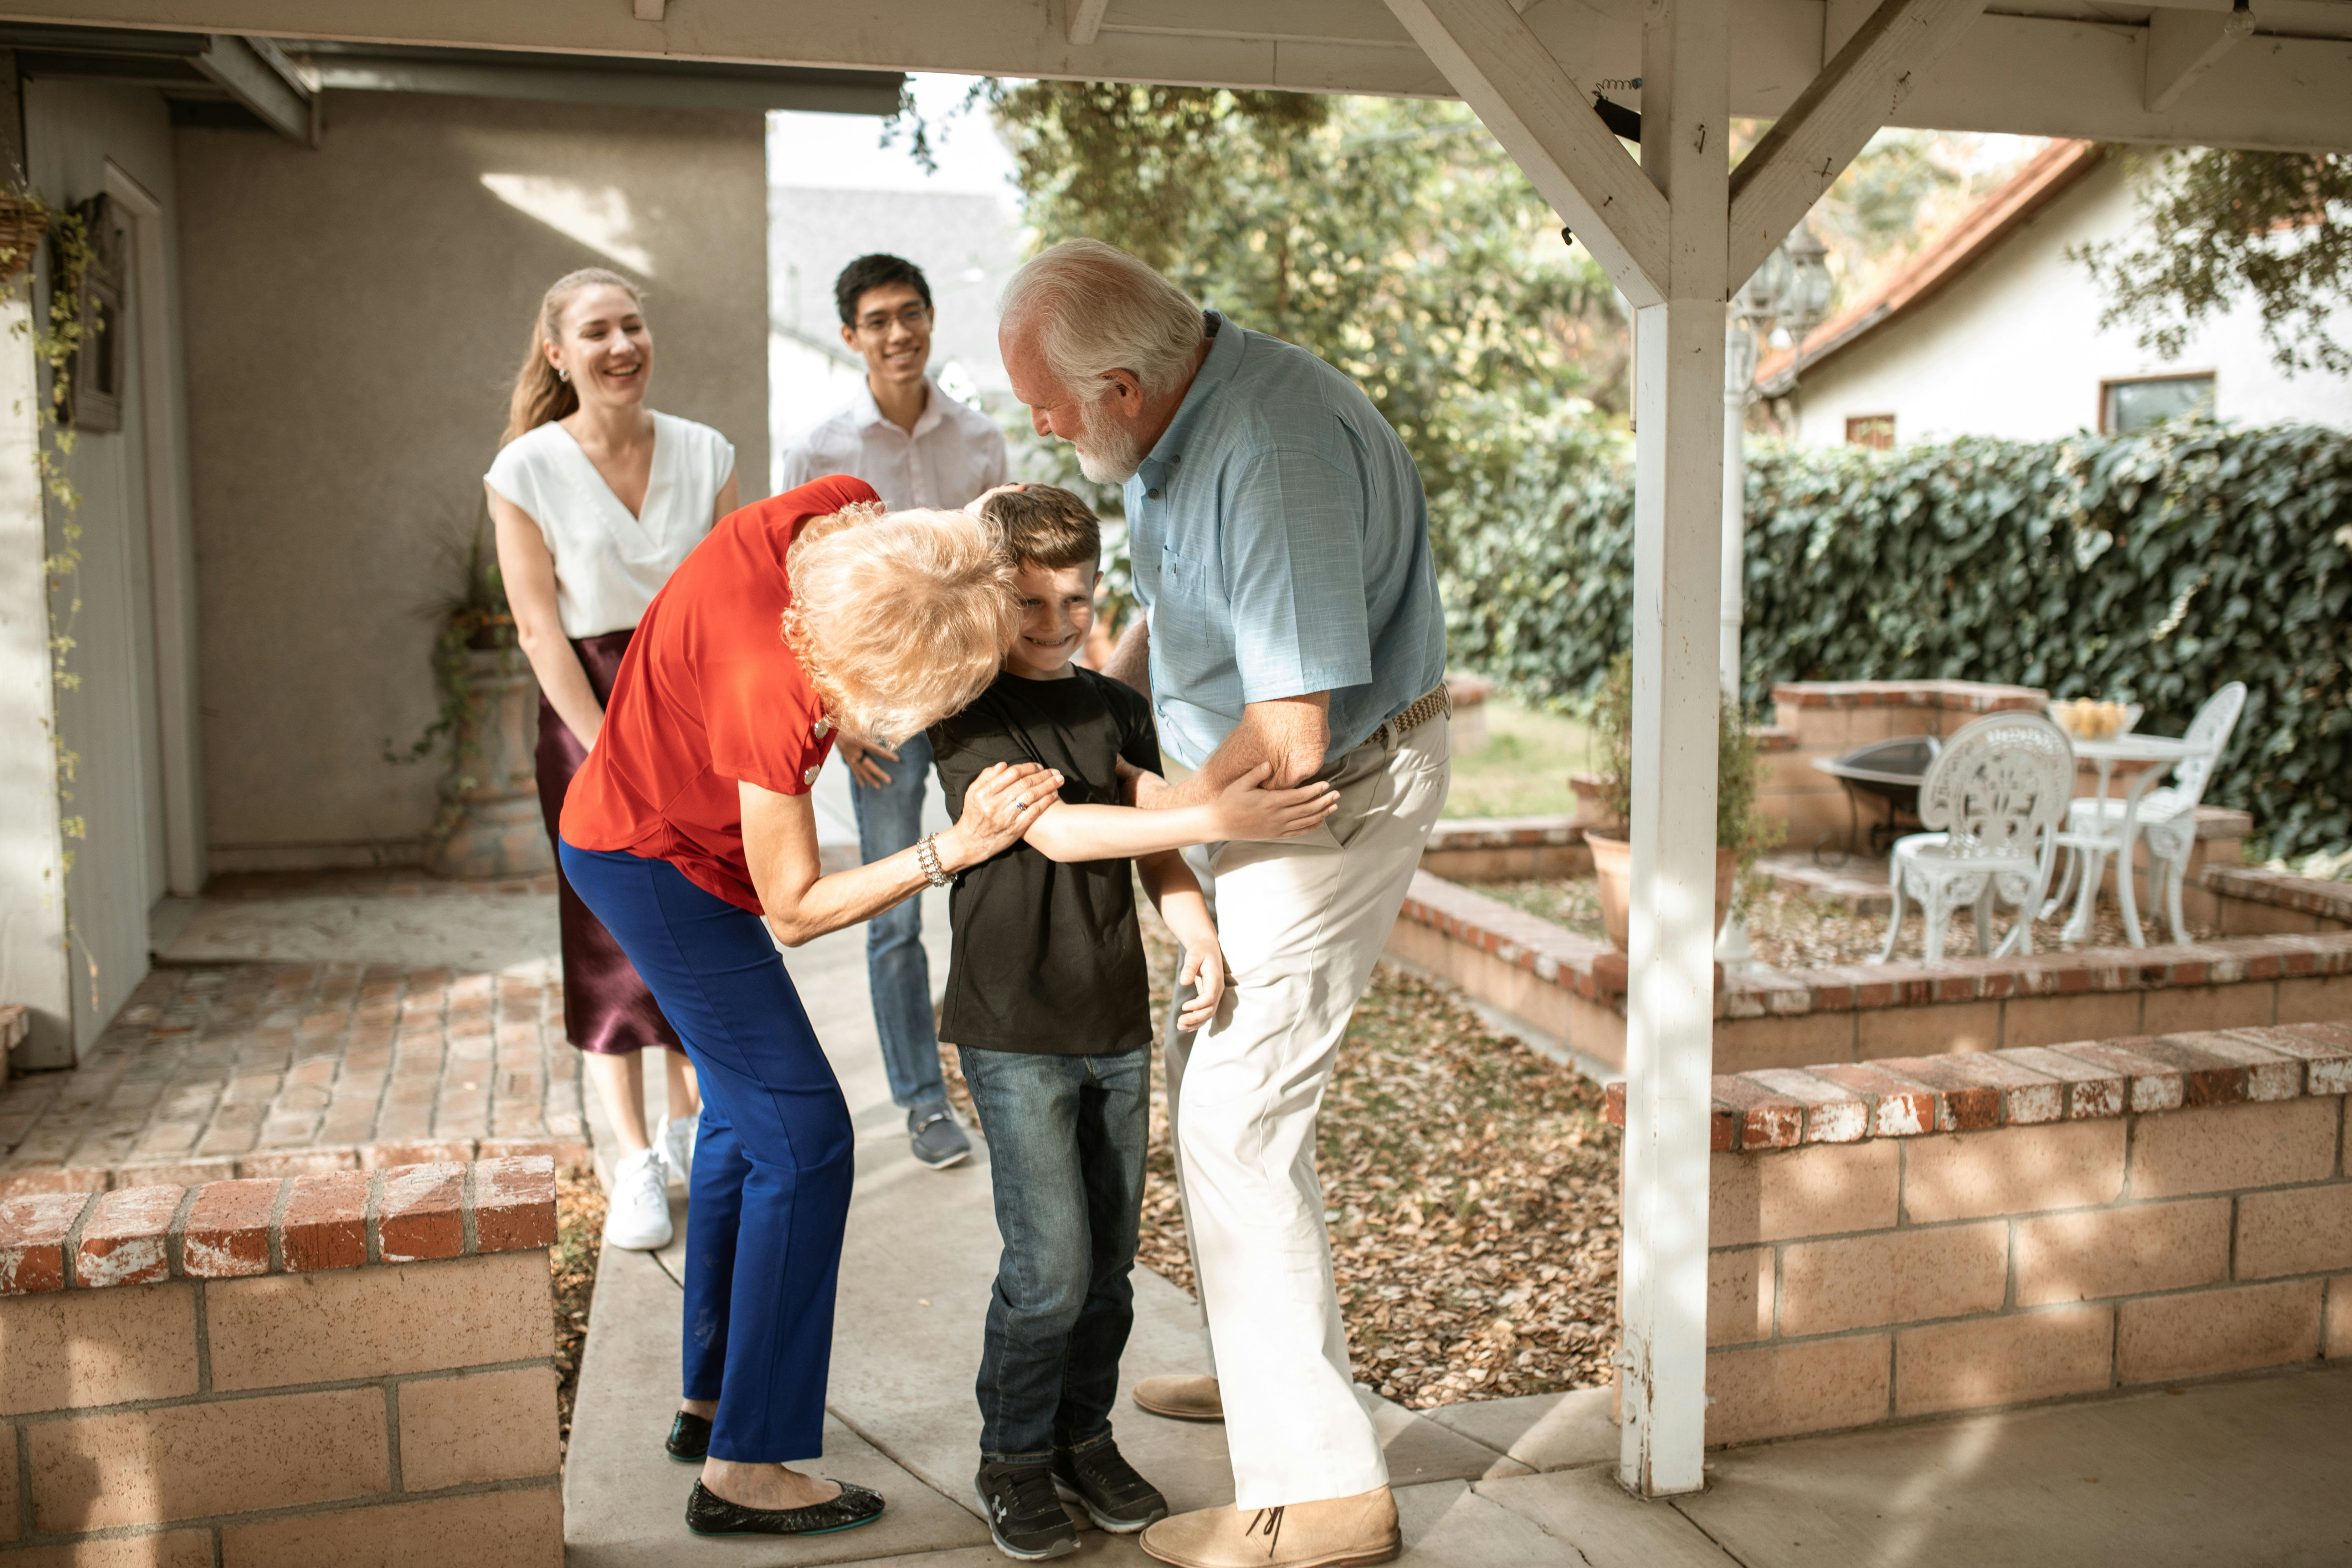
column 2184, row 45
column 1858, row 91
column 1546, row 122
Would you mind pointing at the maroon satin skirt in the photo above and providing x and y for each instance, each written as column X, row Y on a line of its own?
column 607, row 1007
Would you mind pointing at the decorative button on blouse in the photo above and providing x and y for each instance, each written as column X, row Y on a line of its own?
column 810, row 776
column 823, row 728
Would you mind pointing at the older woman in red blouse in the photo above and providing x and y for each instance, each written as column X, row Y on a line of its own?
column 690, row 834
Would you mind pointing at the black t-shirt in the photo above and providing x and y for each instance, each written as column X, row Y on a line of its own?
column 1047, row 956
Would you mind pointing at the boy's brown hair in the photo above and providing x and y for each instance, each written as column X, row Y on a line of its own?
column 1046, row 526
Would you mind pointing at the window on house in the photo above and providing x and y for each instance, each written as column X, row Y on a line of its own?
column 2128, row 405
column 1876, row 431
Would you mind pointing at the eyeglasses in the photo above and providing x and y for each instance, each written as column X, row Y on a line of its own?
column 912, row 317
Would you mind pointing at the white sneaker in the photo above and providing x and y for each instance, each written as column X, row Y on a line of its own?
column 675, row 1139
column 637, row 1212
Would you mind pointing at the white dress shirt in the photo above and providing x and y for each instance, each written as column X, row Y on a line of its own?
column 953, row 453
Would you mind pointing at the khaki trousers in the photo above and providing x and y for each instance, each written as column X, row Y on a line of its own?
column 1302, row 923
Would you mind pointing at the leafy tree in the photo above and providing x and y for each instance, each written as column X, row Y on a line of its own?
column 1392, row 237
column 2222, row 225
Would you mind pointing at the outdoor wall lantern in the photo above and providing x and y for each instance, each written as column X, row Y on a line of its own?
column 1790, row 290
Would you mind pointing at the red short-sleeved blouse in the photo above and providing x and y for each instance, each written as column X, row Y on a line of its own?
column 709, row 694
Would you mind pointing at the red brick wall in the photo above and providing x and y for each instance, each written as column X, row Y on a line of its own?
column 1960, row 1232
column 284, row 1372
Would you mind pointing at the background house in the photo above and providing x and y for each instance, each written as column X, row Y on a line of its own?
column 328, row 258
column 1992, row 330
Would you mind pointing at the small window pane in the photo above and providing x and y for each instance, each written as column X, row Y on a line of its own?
column 2136, row 405
column 1876, row 431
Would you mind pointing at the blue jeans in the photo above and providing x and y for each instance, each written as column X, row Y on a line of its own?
column 771, row 1160
column 898, row 971
column 1066, row 1141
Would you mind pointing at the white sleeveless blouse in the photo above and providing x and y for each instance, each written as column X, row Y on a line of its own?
column 608, row 564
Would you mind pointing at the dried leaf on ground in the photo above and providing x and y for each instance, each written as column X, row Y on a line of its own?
column 1470, row 1186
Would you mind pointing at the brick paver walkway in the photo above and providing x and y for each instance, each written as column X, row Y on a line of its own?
column 255, row 1070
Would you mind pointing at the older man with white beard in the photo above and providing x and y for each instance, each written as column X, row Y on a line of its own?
column 1280, row 543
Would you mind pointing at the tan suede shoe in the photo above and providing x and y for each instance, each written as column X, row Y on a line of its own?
column 1334, row 1532
column 1181, row 1398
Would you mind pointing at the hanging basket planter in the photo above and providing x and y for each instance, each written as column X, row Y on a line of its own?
column 23, row 221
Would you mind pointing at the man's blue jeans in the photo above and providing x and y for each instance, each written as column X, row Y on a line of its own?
column 1066, row 1142
column 898, row 971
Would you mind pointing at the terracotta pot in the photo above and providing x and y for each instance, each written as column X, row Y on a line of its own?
column 1591, row 803
column 1613, row 867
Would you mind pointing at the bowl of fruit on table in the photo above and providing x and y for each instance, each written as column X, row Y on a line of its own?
column 2093, row 718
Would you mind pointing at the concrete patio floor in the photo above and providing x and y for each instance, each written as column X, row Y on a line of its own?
column 2244, row 1471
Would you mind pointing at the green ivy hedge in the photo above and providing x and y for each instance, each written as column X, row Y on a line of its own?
column 2151, row 567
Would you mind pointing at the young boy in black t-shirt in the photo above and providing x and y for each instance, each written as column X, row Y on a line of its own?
column 1047, row 1002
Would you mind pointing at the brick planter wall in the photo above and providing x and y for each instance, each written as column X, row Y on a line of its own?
column 1505, row 848
column 1573, row 989
column 1953, row 1233
column 2248, row 899
column 339, row 1367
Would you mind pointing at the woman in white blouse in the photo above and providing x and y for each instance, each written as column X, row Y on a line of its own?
column 597, row 499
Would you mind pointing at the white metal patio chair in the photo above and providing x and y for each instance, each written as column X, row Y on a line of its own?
column 2167, row 816
column 1998, row 791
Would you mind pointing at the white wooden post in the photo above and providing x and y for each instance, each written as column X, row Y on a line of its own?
column 1677, row 566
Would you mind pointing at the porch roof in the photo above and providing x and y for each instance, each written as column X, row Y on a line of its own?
column 2046, row 68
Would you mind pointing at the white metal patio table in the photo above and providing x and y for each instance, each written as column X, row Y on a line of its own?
column 2153, row 756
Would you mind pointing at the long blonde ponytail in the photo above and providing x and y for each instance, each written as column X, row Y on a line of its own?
column 540, row 394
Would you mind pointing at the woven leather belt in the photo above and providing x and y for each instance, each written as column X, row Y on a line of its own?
column 1433, row 703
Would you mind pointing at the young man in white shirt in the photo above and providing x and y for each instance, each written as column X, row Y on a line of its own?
column 918, row 448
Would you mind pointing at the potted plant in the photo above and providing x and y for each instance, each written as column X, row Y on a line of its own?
column 489, row 824
column 1741, row 832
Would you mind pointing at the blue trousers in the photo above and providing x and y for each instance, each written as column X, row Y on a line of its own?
column 898, row 971
column 1066, row 1142
column 772, row 1160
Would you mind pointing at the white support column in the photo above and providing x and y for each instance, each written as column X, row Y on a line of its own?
column 33, row 966
column 1677, row 567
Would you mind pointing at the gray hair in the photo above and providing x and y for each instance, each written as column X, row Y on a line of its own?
column 1097, row 310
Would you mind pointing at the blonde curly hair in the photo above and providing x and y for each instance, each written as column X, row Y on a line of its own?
column 898, row 619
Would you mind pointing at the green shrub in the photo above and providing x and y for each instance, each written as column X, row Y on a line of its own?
column 2152, row 567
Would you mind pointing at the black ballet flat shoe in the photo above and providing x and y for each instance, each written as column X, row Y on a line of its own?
column 710, row 1514
column 689, row 1438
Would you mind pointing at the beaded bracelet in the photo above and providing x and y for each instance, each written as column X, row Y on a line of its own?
column 927, row 856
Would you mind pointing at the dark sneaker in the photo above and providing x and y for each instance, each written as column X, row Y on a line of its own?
column 1024, row 1516
column 1101, row 1481
column 689, row 1438
column 708, row 1513
column 938, row 1141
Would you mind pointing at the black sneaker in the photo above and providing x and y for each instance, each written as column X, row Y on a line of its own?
column 1101, row 1481
column 689, row 1438
column 937, row 1141
column 1026, row 1518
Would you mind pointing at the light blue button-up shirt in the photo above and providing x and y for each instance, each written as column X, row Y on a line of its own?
column 1280, row 543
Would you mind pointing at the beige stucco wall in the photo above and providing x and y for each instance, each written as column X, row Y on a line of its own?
column 355, row 315
column 2013, row 348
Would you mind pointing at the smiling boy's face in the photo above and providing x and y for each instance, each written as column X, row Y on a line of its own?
column 1057, row 610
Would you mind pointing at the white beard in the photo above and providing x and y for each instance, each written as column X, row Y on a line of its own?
column 1110, row 457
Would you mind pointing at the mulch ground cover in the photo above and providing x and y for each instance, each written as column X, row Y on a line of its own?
column 1470, row 1186
column 579, row 1225
column 1789, row 931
